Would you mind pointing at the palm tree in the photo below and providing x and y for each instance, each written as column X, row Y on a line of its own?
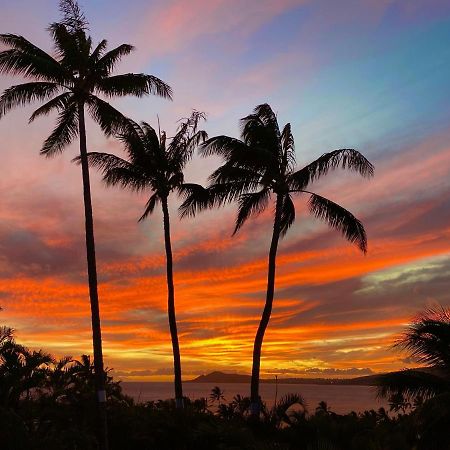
column 21, row 371
column 217, row 395
column 68, row 83
column 262, row 165
column 156, row 167
column 427, row 340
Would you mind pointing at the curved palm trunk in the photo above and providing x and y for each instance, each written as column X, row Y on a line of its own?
column 255, row 405
column 93, row 292
column 171, row 307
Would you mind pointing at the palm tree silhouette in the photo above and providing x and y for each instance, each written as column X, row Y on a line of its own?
column 427, row 340
column 21, row 371
column 69, row 82
column 258, row 166
column 217, row 395
column 157, row 167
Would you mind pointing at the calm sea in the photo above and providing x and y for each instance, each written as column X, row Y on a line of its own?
column 341, row 399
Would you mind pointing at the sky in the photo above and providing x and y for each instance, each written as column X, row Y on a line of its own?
column 373, row 75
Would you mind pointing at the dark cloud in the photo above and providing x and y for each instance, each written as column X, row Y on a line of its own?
column 24, row 252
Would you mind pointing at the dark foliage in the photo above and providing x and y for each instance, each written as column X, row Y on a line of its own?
column 56, row 411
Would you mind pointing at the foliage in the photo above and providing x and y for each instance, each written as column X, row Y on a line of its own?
column 79, row 73
column 427, row 341
column 262, row 164
column 153, row 164
column 59, row 414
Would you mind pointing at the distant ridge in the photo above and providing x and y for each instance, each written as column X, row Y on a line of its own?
column 221, row 377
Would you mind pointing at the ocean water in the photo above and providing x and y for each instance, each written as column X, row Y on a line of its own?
column 340, row 399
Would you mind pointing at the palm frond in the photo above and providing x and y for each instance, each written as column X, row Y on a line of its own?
column 267, row 115
column 64, row 133
column 109, row 60
column 288, row 148
column 223, row 146
column 116, row 170
column 427, row 339
column 198, row 198
column 238, row 154
column 186, row 140
column 128, row 177
column 251, row 204
column 197, row 139
column 287, row 214
column 72, row 15
column 59, row 103
column 111, row 121
column 103, row 161
column 135, row 139
column 23, row 94
column 72, row 48
column 33, row 63
column 25, row 58
column 288, row 401
column 410, row 384
column 338, row 218
column 150, row 206
column 150, row 140
column 137, row 84
column 247, row 178
column 345, row 158
column 98, row 51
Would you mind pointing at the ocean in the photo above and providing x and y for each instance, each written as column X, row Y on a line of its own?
column 341, row 399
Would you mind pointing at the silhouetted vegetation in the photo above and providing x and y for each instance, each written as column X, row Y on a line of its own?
column 426, row 391
column 72, row 80
column 48, row 404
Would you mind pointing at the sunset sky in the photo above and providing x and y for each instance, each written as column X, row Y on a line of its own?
column 367, row 74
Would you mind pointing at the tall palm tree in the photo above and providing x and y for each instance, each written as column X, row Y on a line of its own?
column 69, row 82
column 258, row 167
column 427, row 341
column 155, row 166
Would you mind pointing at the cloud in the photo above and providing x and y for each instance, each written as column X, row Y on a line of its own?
column 328, row 371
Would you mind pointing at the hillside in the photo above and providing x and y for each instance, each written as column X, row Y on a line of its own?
column 221, row 377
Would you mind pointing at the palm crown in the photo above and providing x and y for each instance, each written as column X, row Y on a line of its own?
column 78, row 73
column 152, row 164
column 263, row 163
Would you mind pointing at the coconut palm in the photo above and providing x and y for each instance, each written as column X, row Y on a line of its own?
column 427, row 341
column 68, row 82
column 261, row 166
column 157, row 167
column 217, row 395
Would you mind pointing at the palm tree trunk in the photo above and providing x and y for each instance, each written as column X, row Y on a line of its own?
column 93, row 292
column 171, row 307
column 255, row 401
